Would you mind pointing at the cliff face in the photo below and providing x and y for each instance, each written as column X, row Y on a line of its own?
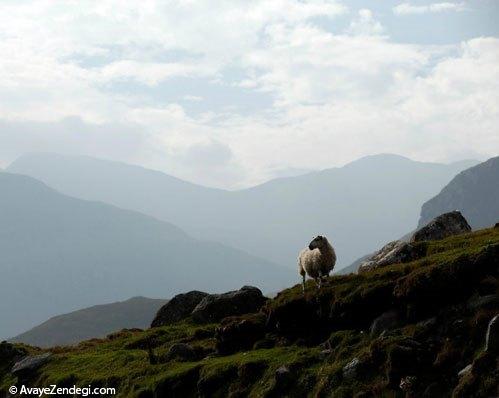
column 412, row 329
column 474, row 192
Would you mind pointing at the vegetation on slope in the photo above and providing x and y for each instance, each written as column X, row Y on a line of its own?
column 319, row 343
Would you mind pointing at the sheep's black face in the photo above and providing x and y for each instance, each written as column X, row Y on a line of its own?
column 317, row 242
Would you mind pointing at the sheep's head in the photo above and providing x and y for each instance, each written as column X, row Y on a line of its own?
column 318, row 243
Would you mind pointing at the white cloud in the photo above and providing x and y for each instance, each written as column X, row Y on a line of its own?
column 365, row 24
column 408, row 8
column 332, row 97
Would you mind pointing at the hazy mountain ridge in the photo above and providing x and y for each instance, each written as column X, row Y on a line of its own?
column 474, row 192
column 61, row 253
column 358, row 206
column 93, row 322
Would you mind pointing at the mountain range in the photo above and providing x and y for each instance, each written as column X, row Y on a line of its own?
column 358, row 206
column 474, row 192
column 59, row 254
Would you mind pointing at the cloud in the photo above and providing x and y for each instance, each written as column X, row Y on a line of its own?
column 311, row 92
column 365, row 24
column 408, row 8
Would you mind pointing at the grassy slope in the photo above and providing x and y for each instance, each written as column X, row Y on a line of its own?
column 438, row 285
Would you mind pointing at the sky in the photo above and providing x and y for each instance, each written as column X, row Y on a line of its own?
column 233, row 93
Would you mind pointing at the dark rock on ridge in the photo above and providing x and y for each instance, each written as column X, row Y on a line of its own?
column 178, row 308
column 215, row 307
column 443, row 226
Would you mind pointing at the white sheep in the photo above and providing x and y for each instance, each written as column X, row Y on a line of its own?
column 317, row 261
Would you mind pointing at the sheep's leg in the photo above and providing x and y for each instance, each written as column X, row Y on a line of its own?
column 303, row 283
column 318, row 281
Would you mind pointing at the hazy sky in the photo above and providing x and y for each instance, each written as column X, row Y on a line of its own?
column 231, row 93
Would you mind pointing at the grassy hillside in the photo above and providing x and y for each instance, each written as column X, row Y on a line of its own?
column 96, row 321
column 300, row 344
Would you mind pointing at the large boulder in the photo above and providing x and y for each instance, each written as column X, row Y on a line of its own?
column 30, row 363
column 215, row 307
column 394, row 252
column 443, row 226
column 178, row 308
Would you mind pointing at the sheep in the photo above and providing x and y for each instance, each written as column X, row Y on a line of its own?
column 317, row 260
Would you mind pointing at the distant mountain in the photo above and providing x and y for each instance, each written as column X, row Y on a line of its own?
column 474, row 192
column 359, row 206
column 59, row 254
column 93, row 322
column 352, row 268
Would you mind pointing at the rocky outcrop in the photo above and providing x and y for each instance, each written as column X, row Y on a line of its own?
column 240, row 333
column 181, row 351
column 386, row 321
column 399, row 251
column 30, row 363
column 351, row 369
column 215, row 307
column 443, row 226
column 178, row 308
column 392, row 253
column 10, row 354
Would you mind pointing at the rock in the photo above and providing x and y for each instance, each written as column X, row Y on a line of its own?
column 392, row 253
column 427, row 323
column 181, row 351
column 386, row 321
column 325, row 353
column 283, row 376
column 443, row 226
column 492, row 336
column 408, row 383
column 484, row 302
column 351, row 369
column 10, row 354
column 497, row 225
column 30, row 363
column 239, row 333
column 465, row 370
column 215, row 307
column 178, row 308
